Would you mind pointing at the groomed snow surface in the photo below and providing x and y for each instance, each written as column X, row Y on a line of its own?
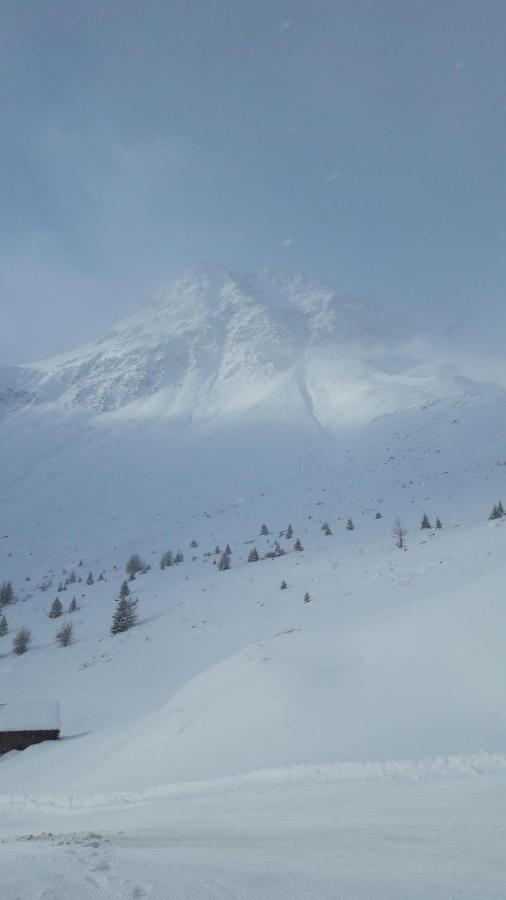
column 239, row 742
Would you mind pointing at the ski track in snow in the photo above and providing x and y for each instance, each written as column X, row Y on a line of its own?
column 431, row 838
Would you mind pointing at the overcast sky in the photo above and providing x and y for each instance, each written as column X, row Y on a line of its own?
column 362, row 142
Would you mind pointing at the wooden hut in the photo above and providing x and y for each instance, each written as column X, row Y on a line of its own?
column 24, row 724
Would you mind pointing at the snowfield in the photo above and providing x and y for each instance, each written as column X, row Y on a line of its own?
column 240, row 742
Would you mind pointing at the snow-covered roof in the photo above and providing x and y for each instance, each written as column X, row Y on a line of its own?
column 29, row 716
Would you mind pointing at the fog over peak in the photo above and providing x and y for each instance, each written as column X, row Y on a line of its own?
column 360, row 143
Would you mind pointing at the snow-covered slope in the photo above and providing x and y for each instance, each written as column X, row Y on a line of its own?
column 230, row 403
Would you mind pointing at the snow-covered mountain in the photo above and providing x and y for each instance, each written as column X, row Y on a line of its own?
column 217, row 344
column 212, row 334
column 229, row 403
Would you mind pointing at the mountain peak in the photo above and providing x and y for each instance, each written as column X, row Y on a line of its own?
column 211, row 335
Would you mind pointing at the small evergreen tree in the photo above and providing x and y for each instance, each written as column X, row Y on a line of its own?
column 72, row 577
column 179, row 558
column 65, row 635
column 124, row 590
column 378, row 515
column 101, row 577
column 500, row 509
column 283, row 586
column 425, row 524
column 298, row 546
column 217, row 550
column 439, row 524
column 56, row 609
column 307, row 598
column 6, row 593
column 253, row 555
column 194, row 543
column 349, row 525
column 264, row 530
column 125, row 615
column 224, row 562
column 73, row 605
column 4, row 628
column 21, row 641
column 90, row 579
column 494, row 514
column 326, row 529
column 289, row 533
column 228, row 550
column 60, row 587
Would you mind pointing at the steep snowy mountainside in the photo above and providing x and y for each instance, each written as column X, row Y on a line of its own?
column 216, row 342
column 13, row 389
column 319, row 314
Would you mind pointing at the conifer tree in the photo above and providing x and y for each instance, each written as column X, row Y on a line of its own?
column 125, row 616
column 349, row 525
column 378, row 515
column 439, row 524
column 4, row 628
column 179, row 558
column 283, row 586
column 124, row 590
column 56, row 609
column 228, row 551
column 494, row 513
column 298, row 546
column 264, row 530
column 307, row 598
column 253, row 555
column 73, row 605
column 224, row 562
column 425, row 524
column 500, row 509
column 90, row 579
column 289, row 533
column 326, row 529
column 6, row 593
column 193, row 543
